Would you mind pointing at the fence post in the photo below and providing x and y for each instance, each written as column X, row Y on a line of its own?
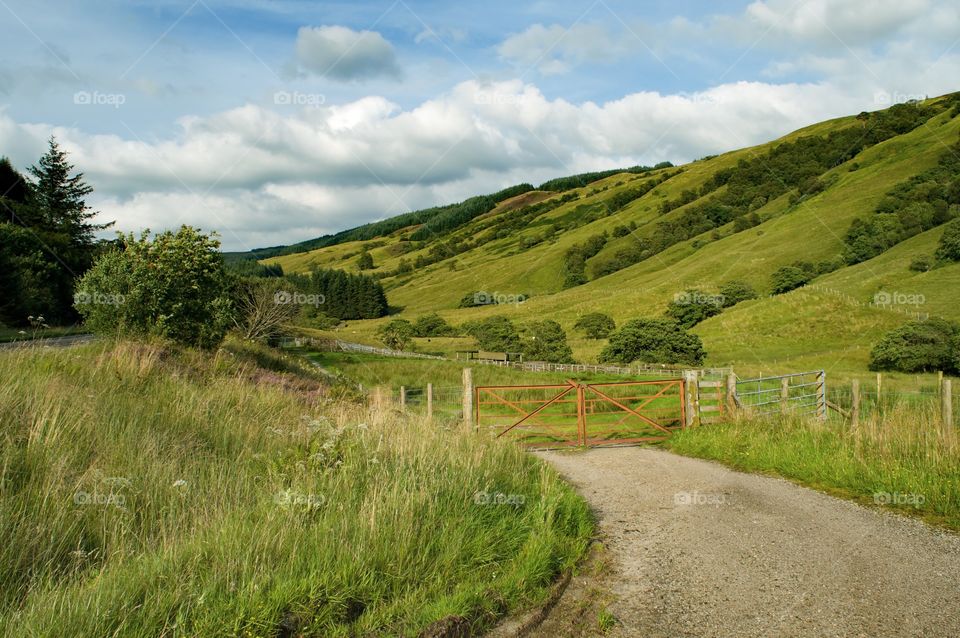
column 581, row 415
column 939, row 381
column 429, row 401
column 468, row 398
column 879, row 387
column 822, row 395
column 403, row 398
column 731, row 393
column 690, row 397
column 855, row 404
column 784, row 394
column 946, row 407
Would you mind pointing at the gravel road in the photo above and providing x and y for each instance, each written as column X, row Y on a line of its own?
column 692, row 548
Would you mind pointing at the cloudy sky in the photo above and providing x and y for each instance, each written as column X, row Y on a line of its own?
column 274, row 121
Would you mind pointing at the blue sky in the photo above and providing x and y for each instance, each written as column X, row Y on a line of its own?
column 273, row 121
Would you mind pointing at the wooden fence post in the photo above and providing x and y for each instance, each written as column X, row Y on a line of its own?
column 822, row 395
column 855, row 404
column 691, row 404
column 731, row 393
column 429, row 401
column 939, row 381
column 403, row 398
column 879, row 387
column 784, row 395
column 946, row 408
column 468, row 398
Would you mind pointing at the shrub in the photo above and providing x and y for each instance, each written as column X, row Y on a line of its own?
column 921, row 264
column 596, row 325
column 733, row 292
column 546, row 341
column 174, row 287
column 693, row 306
column 365, row 261
column 949, row 248
column 432, row 325
column 654, row 341
column 788, row 278
column 472, row 299
column 919, row 346
column 497, row 334
column 396, row 335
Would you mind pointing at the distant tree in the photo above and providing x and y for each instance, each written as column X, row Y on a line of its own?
column 949, row 247
column 595, row 325
column 733, row 292
column 174, row 286
column 693, row 306
column 919, row 346
column 396, row 335
column 432, row 325
column 546, row 341
column 788, row 278
column 365, row 261
column 474, row 299
column 921, row 264
column 495, row 334
column 653, row 341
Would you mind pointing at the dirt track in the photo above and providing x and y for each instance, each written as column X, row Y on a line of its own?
column 695, row 549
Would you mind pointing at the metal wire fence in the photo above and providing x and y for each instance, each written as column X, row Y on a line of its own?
column 802, row 393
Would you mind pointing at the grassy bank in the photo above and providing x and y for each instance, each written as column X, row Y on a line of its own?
column 897, row 458
column 146, row 491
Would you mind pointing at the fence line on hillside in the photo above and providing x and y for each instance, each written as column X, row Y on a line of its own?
column 920, row 316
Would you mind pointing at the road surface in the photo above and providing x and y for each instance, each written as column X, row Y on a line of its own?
column 691, row 548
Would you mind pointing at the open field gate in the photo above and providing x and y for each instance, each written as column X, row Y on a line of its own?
column 573, row 414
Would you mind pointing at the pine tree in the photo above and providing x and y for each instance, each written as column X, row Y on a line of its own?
column 60, row 198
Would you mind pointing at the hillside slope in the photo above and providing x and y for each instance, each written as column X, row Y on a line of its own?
column 680, row 227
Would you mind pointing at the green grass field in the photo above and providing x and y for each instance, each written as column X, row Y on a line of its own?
column 147, row 490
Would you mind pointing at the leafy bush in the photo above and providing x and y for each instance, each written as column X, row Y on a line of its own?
column 596, row 325
column 733, row 292
column 949, row 247
column 693, row 306
column 921, row 264
column 919, row 346
column 546, row 341
column 365, row 261
column 396, row 335
column 432, row 325
column 653, row 341
column 789, row 278
column 174, row 286
column 496, row 334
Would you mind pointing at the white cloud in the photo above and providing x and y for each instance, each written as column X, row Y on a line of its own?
column 557, row 49
column 344, row 54
column 836, row 22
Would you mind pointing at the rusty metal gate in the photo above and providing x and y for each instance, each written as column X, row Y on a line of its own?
column 582, row 413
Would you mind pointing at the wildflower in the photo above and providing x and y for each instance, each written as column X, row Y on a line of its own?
column 180, row 483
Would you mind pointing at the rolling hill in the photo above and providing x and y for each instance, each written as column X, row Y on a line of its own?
column 628, row 242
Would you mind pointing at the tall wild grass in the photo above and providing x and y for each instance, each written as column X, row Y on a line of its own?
column 149, row 491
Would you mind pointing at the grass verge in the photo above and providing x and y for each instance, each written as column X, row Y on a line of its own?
column 150, row 491
column 897, row 459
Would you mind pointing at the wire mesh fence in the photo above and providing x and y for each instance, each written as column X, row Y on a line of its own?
column 802, row 393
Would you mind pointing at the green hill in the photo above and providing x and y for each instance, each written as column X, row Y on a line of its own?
column 737, row 216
